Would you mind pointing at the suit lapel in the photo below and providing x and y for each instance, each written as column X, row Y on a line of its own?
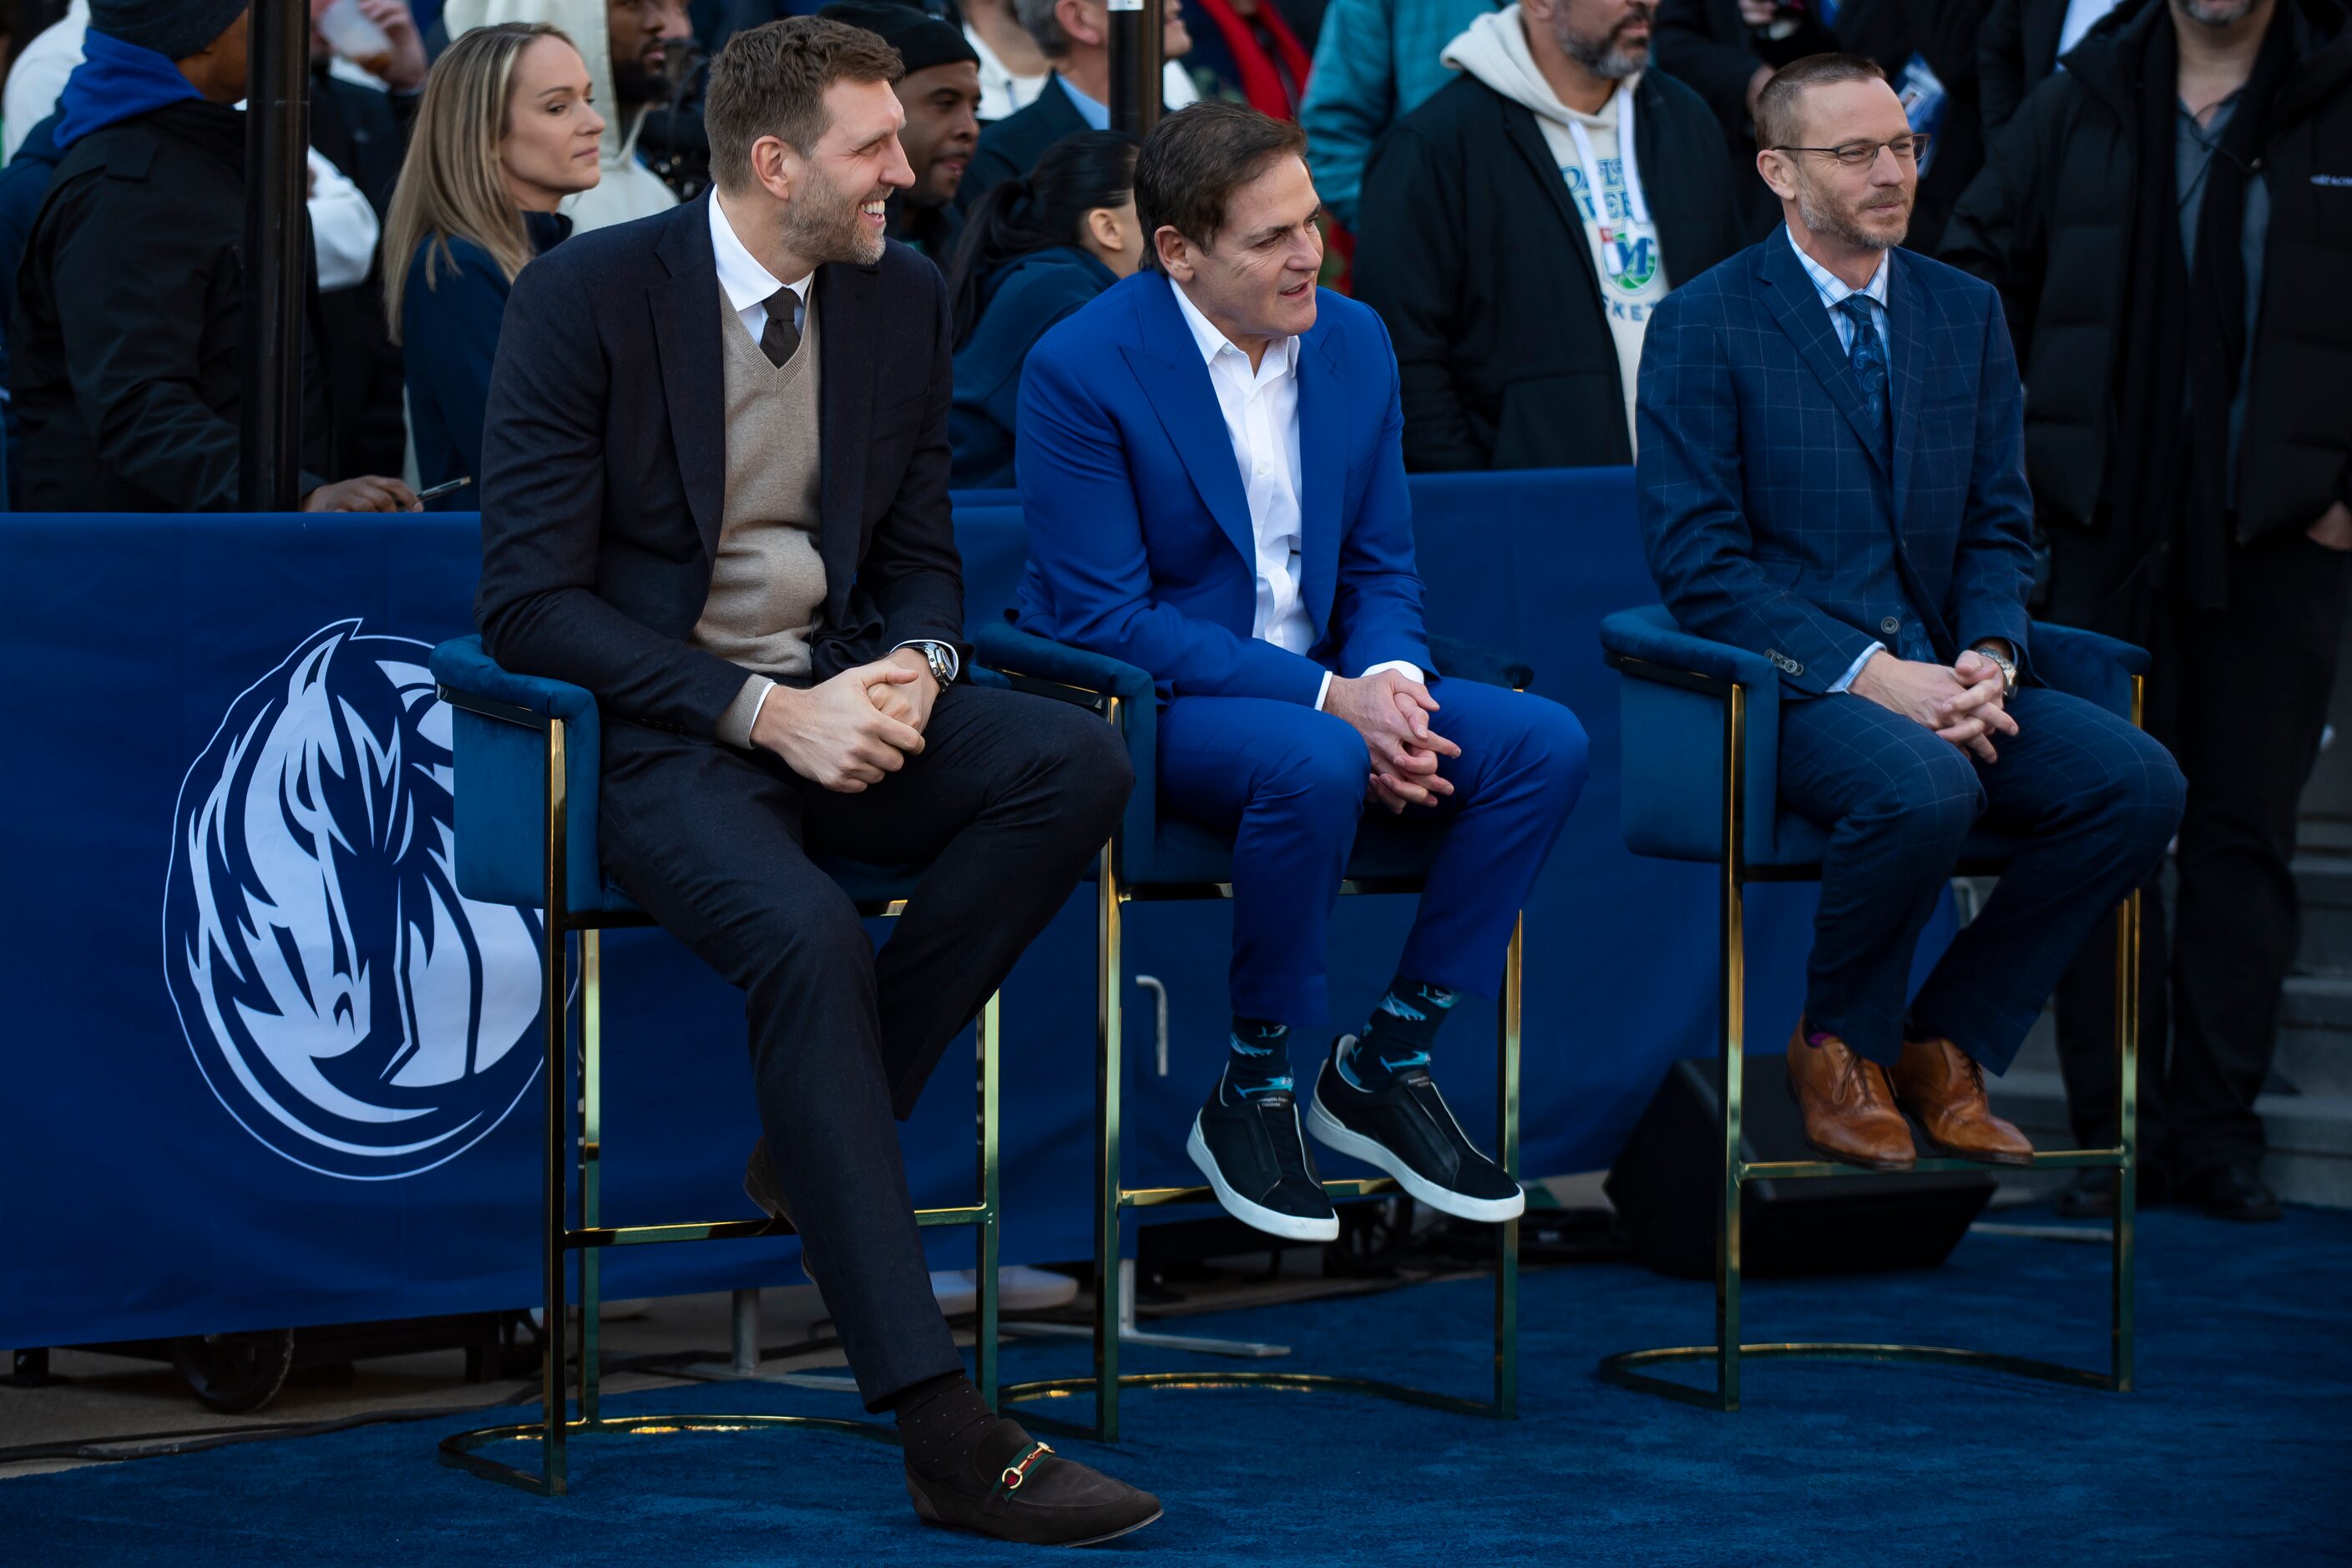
column 686, row 338
column 1323, row 469
column 1906, row 330
column 844, row 297
column 1176, row 381
column 1795, row 304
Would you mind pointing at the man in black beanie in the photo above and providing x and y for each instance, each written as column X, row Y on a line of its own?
column 129, row 328
column 941, row 93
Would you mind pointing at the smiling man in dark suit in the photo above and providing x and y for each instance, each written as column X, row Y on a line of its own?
column 1831, row 473
column 714, row 494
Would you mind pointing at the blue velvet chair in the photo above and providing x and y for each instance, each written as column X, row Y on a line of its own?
column 1702, row 731
column 1154, row 857
column 527, row 755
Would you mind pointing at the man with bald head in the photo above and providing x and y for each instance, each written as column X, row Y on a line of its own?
column 1832, row 475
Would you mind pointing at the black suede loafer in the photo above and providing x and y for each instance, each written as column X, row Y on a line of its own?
column 1034, row 1496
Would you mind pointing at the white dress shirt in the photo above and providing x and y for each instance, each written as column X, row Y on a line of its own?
column 1833, row 289
column 1261, row 411
column 748, row 285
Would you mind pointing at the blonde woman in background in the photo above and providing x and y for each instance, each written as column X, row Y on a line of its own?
column 507, row 129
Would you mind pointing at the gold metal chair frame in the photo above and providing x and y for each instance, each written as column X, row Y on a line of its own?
column 1112, row 1199
column 554, row 1430
column 1626, row 1368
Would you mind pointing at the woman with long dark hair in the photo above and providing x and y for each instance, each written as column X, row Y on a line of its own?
column 1033, row 251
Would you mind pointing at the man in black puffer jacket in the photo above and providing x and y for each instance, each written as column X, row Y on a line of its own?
column 2169, row 222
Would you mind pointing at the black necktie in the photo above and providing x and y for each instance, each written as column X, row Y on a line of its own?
column 781, row 338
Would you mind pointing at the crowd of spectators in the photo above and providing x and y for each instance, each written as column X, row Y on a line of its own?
column 2160, row 189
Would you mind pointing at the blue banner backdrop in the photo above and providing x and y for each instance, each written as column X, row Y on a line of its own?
column 261, row 1061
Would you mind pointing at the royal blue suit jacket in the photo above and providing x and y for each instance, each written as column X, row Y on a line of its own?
column 1140, row 540
column 1775, row 520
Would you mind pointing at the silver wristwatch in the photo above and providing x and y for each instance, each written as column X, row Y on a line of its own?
column 943, row 668
column 2008, row 668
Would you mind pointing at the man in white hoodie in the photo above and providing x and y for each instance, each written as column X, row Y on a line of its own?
column 625, row 47
column 1516, row 230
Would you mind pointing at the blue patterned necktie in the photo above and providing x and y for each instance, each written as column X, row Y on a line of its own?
column 1867, row 355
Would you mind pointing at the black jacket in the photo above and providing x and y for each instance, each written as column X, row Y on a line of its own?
column 2015, row 53
column 1705, row 44
column 1009, row 148
column 1469, row 247
column 604, row 469
column 129, row 334
column 364, row 131
column 2049, row 223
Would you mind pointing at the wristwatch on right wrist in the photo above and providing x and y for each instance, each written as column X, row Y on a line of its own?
column 2008, row 667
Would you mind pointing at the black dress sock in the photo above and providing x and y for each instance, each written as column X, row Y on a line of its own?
column 950, row 1435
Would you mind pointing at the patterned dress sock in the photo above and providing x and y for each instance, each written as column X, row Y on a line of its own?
column 1403, row 1026
column 1258, row 1058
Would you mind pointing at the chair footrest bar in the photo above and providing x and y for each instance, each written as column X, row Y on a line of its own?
column 458, row 1449
column 1623, row 1368
column 735, row 1229
column 1160, row 1197
column 1292, row 1382
column 2055, row 1159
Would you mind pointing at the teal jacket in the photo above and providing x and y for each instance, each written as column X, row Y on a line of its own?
column 1374, row 61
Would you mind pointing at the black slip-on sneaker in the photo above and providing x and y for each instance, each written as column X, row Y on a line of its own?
column 760, row 1184
column 1258, row 1166
column 1038, row 1499
column 1407, row 1131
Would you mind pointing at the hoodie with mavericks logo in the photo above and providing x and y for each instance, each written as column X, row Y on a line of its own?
column 1603, row 180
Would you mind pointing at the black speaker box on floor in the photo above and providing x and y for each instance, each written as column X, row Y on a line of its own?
column 1668, row 1182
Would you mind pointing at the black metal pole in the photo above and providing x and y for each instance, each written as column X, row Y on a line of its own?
column 277, row 196
column 1135, row 65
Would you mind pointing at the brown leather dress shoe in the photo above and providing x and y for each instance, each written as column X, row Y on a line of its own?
column 1942, row 1086
column 1849, row 1110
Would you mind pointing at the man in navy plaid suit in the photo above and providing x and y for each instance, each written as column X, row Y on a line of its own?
column 1830, row 473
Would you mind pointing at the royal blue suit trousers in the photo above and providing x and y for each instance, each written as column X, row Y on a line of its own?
column 1288, row 782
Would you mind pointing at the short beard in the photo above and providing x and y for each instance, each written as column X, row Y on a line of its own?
column 1604, row 56
column 824, row 224
column 2218, row 13
column 634, row 81
column 1842, row 225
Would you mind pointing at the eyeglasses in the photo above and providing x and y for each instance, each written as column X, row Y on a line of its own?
column 1862, row 154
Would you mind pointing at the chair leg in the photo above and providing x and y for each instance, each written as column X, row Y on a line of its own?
column 1107, row 1084
column 554, row 1216
column 592, row 1095
column 983, row 1351
column 1506, row 1134
column 1733, row 937
column 2127, row 961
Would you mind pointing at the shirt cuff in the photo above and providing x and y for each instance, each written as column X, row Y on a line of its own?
column 1845, row 680
column 740, row 717
column 1403, row 667
column 947, row 650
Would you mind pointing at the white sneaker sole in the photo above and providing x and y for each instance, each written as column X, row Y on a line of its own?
column 1332, row 1135
column 1257, row 1216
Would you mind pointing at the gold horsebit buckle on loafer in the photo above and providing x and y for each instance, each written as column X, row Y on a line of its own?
column 1018, row 1471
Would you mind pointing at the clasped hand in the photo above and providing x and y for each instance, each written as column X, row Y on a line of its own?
column 1391, row 712
column 854, row 729
column 1962, row 703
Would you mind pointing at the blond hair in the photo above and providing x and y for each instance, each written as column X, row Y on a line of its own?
column 449, row 186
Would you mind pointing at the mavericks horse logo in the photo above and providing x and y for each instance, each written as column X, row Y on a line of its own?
column 346, row 1005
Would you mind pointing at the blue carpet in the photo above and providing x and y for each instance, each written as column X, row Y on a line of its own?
column 2234, row 1450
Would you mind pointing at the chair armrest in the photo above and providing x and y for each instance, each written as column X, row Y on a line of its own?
column 2083, row 664
column 1642, row 645
column 465, row 669
column 1044, row 668
column 1470, row 661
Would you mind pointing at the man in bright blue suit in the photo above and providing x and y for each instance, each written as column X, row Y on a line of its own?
column 1832, row 474
column 1212, row 468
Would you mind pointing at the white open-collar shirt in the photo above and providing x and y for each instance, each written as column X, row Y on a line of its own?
column 1261, row 411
